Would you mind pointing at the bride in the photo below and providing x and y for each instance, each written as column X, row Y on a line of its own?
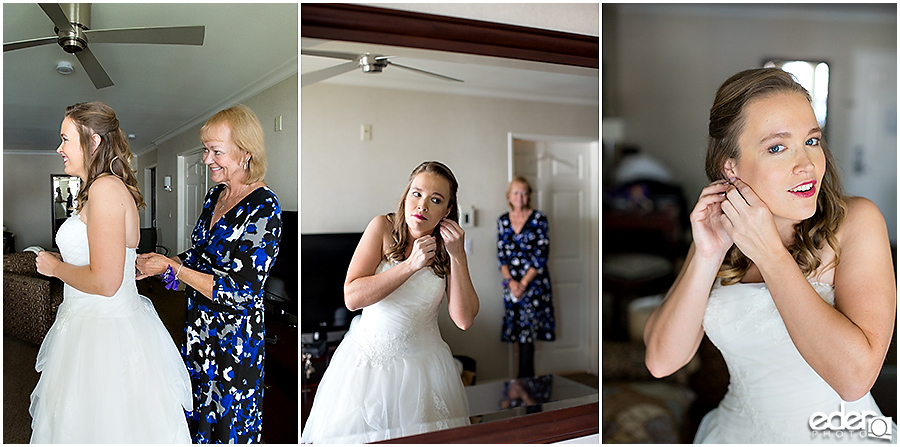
column 393, row 375
column 110, row 372
column 790, row 279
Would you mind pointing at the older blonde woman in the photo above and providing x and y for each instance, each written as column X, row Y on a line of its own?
column 523, row 246
column 235, row 243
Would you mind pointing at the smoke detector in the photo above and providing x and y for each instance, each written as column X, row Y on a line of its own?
column 64, row 68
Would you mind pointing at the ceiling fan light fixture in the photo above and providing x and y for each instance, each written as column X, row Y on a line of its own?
column 72, row 40
column 371, row 64
column 64, row 68
column 71, row 45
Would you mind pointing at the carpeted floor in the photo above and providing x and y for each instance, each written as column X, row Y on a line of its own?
column 20, row 378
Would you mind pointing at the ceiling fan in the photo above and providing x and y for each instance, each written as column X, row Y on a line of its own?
column 369, row 63
column 73, row 33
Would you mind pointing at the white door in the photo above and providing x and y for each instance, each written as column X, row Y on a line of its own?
column 871, row 162
column 564, row 176
column 192, row 192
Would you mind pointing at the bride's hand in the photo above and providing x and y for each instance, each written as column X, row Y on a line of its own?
column 454, row 238
column 750, row 223
column 46, row 263
column 422, row 252
column 707, row 222
column 150, row 264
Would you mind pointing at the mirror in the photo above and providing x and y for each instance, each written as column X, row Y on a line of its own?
column 64, row 189
column 359, row 142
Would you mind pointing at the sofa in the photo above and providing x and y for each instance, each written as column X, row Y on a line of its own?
column 30, row 300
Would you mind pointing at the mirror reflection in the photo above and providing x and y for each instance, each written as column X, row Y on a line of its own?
column 361, row 136
column 65, row 189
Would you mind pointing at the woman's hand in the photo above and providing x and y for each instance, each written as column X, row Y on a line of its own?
column 149, row 264
column 46, row 263
column 708, row 223
column 749, row 223
column 517, row 289
column 454, row 238
column 423, row 250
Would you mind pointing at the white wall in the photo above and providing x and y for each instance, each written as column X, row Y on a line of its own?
column 345, row 182
column 670, row 59
column 27, row 196
column 281, row 153
column 26, row 177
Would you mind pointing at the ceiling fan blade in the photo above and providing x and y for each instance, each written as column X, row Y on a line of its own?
column 446, row 78
column 57, row 15
column 166, row 35
column 325, row 73
column 29, row 43
column 331, row 54
column 93, row 69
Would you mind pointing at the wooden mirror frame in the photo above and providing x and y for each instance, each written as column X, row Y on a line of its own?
column 355, row 23
column 366, row 24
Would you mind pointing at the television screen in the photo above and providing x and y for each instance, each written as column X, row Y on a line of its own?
column 324, row 260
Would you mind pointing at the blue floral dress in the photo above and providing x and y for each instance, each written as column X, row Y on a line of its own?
column 531, row 318
column 225, row 337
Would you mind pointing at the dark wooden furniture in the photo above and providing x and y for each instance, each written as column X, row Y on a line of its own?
column 655, row 235
column 311, row 371
column 539, row 428
column 280, row 396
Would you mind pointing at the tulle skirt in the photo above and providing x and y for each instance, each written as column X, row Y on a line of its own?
column 110, row 379
column 369, row 395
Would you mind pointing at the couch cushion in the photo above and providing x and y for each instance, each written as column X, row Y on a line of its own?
column 21, row 263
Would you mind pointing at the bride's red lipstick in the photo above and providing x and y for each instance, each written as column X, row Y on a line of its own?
column 805, row 194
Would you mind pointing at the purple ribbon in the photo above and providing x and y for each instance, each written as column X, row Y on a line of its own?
column 169, row 277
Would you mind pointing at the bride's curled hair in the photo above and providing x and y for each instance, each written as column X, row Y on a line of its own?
column 112, row 156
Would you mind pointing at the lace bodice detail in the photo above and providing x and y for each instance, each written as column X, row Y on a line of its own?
column 403, row 321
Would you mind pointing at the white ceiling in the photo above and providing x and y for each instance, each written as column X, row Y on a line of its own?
column 483, row 76
column 159, row 89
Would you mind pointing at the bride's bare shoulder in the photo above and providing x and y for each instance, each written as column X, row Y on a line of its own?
column 862, row 216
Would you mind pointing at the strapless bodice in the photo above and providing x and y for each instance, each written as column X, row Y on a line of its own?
column 73, row 245
column 772, row 391
column 404, row 321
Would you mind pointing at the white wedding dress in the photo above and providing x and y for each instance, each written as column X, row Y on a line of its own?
column 110, row 372
column 772, row 392
column 393, row 374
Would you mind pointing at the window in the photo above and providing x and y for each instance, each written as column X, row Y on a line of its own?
column 813, row 76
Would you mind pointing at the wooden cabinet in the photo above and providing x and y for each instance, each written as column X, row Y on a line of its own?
column 280, row 382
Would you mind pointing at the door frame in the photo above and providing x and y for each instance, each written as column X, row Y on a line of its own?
column 593, row 164
column 149, row 184
column 182, row 204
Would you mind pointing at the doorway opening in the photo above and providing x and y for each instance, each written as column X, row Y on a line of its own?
column 564, row 173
